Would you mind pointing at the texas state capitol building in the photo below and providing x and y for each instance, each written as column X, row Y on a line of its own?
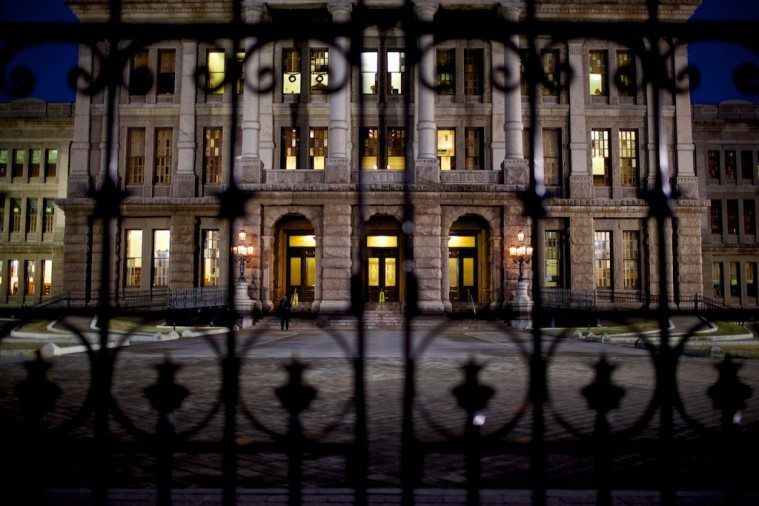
column 301, row 150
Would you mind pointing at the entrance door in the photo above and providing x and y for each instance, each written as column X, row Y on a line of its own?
column 301, row 268
column 382, row 269
column 462, row 269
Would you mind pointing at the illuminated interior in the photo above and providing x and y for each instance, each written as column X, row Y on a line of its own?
column 302, row 241
column 446, row 149
column 461, row 241
column 382, row 241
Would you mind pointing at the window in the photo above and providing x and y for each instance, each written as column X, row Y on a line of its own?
column 712, row 160
column 732, row 217
column 163, row 160
column 600, row 157
column 51, row 163
column 396, row 149
column 735, row 288
column 211, row 272
column 749, row 217
column 715, row 214
column 717, row 288
column 291, row 71
column 35, row 162
column 18, row 163
column 31, row 216
column 47, row 277
column 598, row 70
column 369, row 70
column 550, row 62
column 139, row 74
column 3, row 162
column 317, row 148
column 473, row 149
column 212, row 155
column 29, row 286
column 369, row 148
column 161, row 243
column 319, row 68
column 290, row 148
column 731, row 165
column 2, row 212
column 553, row 259
column 631, row 260
column 552, row 156
column 747, row 166
column 751, row 279
column 133, row 276
column 12, row 277
column 626, row 71
column 135, row 163
column 15, row 224
column 166, row 71
column 473, row 72
column 48, row 220
column 602, row 254
column 446, row 71
column 215, row 65
column 396, row 68
column 446, row 148
column 628, row 157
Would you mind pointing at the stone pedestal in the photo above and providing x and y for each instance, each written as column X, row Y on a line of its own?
column 183, row 185
column 244, row 305
column 249, row 170
column 522, row 308
column 516, row 172
column 427, row 171
column 580, row 186
column 337, row 171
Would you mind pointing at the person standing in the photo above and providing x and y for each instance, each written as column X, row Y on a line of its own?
column 284, row 313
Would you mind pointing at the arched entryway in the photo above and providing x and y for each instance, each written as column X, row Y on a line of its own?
column 383, row 260
column 470, row 280
column 295, row 269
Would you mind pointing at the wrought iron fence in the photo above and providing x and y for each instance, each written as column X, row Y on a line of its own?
column 30, row 431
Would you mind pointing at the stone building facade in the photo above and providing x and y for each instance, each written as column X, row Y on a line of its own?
column 35, row 138
column 303, row 152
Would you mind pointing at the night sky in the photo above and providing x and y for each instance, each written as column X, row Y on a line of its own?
column 717, row 62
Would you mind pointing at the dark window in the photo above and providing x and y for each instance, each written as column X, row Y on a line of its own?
column 473, row 73
column 166, row 71
column 717, row 287
column 552, row 156
column 139, row 73
column 35, row 162
column 550, row 61
column 51, row 163
column 3, row 162
column 751, row 279
column 473, row 149
column 715, row 214
column 626, row 71
column 712, row 158
column 735, row 288
column 32, row 212
column 446, row 71
column 212, row 155
column 732, row 217
column 554, row 261
column 15, row 224
column 749, row 217
column 731, row 165
column 48, row 220
column 747, row 166
column 18, row 163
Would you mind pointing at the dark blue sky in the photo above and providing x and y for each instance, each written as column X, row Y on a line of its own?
column 717, row 62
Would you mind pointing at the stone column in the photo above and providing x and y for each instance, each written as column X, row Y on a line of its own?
column 687, row 181
column 428, row 264
column 266, row 266
column 79, row 178
column 426, row 164
column 338, row 165
column 184, row 181
column 514, row 166
column 336, row 261
column 581, row 253
column 689, row 254
column 249, row 166
column 580, row 180
column 109, row 161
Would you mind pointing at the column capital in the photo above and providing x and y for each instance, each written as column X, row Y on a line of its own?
column 511, row 9
column 425, row 9
column 252, row 10
column 340, row 11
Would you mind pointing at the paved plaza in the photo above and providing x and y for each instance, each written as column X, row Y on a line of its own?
column 440, row 356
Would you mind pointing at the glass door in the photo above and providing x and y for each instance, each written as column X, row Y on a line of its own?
column 301, row 268
column 462, row 269
column 382, row 269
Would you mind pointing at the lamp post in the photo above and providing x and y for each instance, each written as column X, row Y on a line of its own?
column 243, row 253
column 520, row 254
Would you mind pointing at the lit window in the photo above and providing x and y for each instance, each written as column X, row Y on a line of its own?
column 291, row 71
column 31, row 216
column 15, row 224
column 13, row 277
column 51, row 163
column 369, row 148
column 732, row 217
column 446, row 71
column 317, row 148
column 163, row 158
column 290, row 148
column 553, row 259
column 713, row 164
column 3, row 162
column 550, row 62
column 626, row 72
column 135, row 163
column 133, row 258
column 319, row 67
column 751, row 279
column 396, row 67
column 602, row 254
column 731, row 165
column 35, row 162
column 396, row 148
column 600, row 157
column 369, row 70
column 161, row 246
column 473, row 149
column 139, row 74
column 166, row 71
column 628, row 157
column 749, row 217
column 598, row 70
column 715, row 216
column 29, row 270
column 212, row 155
column 735, row 288
column 211, row 269
column 473, row 74
column 717, row 288
column 18, row 163
column 631, row 260
column 551, row 156
column 48, row 220
column 446, row 148
column 47, row 277
column 216, row 65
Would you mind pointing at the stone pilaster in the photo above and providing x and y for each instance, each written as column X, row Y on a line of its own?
column 336, row 261
column 79, row 178
column 580, row 179
column 338, row 165
column 687, row 181
column 689, row 254
column 426, row 165
column 267, row 262
column 445, row 282
column 249, row 167
column 181, row 252
column 183, row 183
column 75, row 250
column 428, row 264
column 109, row 160
column 581, row 253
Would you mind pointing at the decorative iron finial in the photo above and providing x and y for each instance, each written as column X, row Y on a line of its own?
column 602, row 395
column 36, row 392
column 472, row 396
column 166, row 395
column 728, row 393
column 295, row 396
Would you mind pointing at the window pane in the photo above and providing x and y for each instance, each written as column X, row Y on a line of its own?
column 211, row 270
column 735, row 289
column 133, row 258
column 212, row 155
column 747, row 165
column 139, row 74
column 135, row 169
column 553, row 260
column 161, row 244
column 552, row 156
column 369, row 69
column 732, row 217
column 35, row 162
column 319, row 67
column 749, row 217
column 29, row 270
column 396, row 149
column 550, row 62
column 317, row 148
column 598, row 70
column 290, row 148
column 715, row 214
column 301, row 241
column 717, row 279
column 369, row 148
column 751, row 279
column 310, row 271
column 626, row 72
column 48, row 220
column 602, row 253
column 47, row 277
column 628, row 157
column 382, row 241
column 396, row 66
column 51, row 164
column 31, row 215
column 3, row 162
column 453, row 272
column 15, row 224
column 600, row 157
column 473, row 74
column 446, row 149
column 215, row 72
column 290, row 71
column 18, row 163
column 446, row 71
column 13, row 277
column 166, row 71
column 295, row 266
column 373, row 271
column 462, row 241
column 712, row 160
column 468, row 274
column 163, row 159
column 389, row 271
column 631, row 260
column 731, row 165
